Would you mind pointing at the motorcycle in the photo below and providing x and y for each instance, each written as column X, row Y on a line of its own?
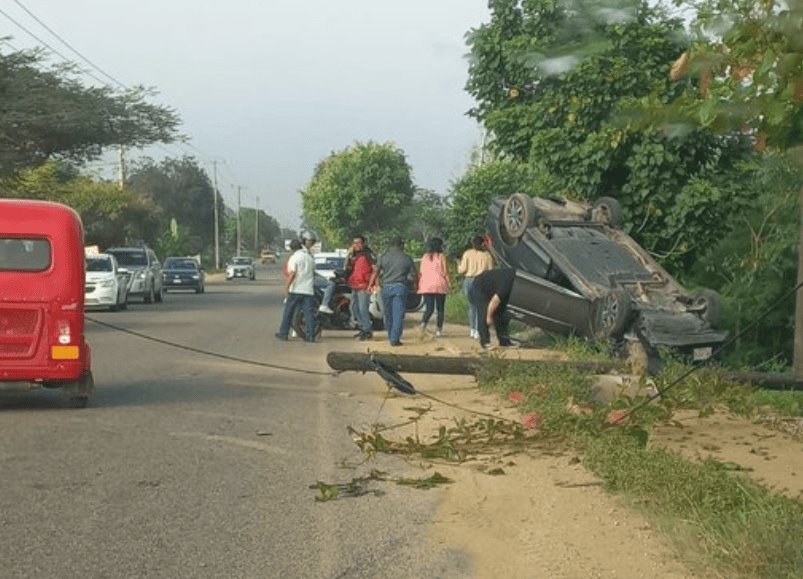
column 340, row 318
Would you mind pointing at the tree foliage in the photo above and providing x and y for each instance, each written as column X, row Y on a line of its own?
column 178, row 189
column 360, row 190
column 556, row 83
column 48, row 113
column 111, row 216
column 746, row 60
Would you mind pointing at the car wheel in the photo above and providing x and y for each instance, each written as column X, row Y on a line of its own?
column 148, row 297
column 608, row 211
column 709, row 304
column 518, row 214
column 611, row 314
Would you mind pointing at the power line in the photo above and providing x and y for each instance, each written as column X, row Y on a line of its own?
column 68, row 45
column 46, row 45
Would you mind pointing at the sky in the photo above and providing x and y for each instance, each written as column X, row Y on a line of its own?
column 268, row 88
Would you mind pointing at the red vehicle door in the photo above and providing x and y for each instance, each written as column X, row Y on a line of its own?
column 42, row 296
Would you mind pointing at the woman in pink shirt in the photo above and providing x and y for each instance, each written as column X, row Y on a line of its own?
column 433, row 283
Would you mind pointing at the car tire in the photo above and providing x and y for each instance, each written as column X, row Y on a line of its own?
column 199, row 290
column 78, row 392
column 709, row 304
column 611, row 314
column 608, row 211
column 518, row 214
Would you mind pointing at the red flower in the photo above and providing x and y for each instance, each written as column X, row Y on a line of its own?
column 531, row 420
column 616, row 416
column 515, row 396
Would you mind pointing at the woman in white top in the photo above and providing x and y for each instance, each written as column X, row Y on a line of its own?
column 474, row 261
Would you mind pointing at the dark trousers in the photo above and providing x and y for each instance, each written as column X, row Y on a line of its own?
column 500, row 325
column 431, row 302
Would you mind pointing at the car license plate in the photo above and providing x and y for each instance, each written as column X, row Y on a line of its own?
column 176, row 280
column 700, row 354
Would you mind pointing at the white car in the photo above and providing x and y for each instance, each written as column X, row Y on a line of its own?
column 105, row 286
column 327, row 263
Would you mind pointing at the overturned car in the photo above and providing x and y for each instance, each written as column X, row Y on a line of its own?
column 578, row 272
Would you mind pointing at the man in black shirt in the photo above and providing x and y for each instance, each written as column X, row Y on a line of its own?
column 492, row 289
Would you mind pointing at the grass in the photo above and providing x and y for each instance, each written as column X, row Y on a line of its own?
column 719, row 519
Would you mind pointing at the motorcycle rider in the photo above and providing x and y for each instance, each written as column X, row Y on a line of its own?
column 309, row 239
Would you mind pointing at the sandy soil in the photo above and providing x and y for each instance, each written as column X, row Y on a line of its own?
column 547, row 516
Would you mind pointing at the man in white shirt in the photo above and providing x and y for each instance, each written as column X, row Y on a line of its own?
column 299, row 287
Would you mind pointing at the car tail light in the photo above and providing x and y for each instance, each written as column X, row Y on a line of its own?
column 64, row 332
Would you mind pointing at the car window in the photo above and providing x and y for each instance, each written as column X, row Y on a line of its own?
column 241, row 261
column 24, row 254
column 130, row 257
column 98, row 264
column 330, row 263
column 171, row 263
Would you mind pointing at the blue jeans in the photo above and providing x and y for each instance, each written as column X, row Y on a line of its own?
column 468, row 290
column 394, row 296
column 327, row 287
column 360, row 300
column 307, row 303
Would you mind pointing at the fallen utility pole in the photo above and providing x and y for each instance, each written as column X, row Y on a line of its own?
column 361, row 362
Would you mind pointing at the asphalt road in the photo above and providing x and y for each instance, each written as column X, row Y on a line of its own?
column 186, row 465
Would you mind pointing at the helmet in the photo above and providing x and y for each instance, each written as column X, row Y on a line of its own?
column 308, row 235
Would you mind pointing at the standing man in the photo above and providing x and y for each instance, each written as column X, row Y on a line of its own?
column 300, row 292
column 320, row 283
column 360, row 265
column 395, row 269
column 492, row 289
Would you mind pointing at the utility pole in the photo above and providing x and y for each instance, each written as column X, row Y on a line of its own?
column 256, row 225
column 121, row 176
column 217, row 232
column 239, row 190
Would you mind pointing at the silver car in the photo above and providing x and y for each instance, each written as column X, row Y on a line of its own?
column 144, row 269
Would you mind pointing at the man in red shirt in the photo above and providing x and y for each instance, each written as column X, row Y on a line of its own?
column 360, row 265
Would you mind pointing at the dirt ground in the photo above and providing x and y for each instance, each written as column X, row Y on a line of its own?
column 547, row 516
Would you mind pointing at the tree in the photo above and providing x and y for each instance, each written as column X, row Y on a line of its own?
column 359, row 190
column 48, row 113
column 747, row 64
column 471, row 195
column 110, row 216
column 556, row 83
column 179, row 189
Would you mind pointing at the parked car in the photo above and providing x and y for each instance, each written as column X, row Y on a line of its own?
column 578, row 272
column 106, row 286
column 327, row 263
column 240, row 267
column 183, row 273
column 144, row 269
